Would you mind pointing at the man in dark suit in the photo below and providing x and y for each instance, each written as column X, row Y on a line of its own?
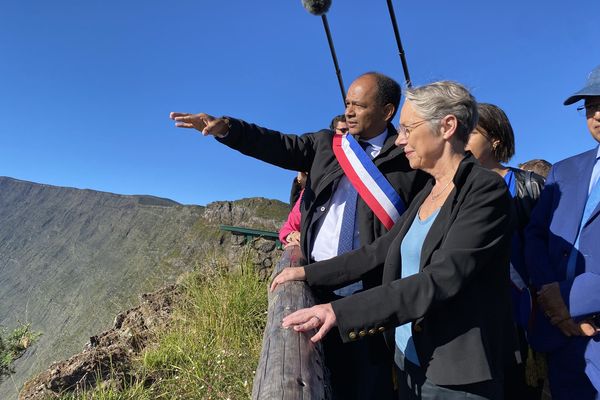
column 563, row 259
column 444, row 304
column 371, row 103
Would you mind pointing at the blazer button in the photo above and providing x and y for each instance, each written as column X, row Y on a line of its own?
column 362, row 333
column 372, row 331
column 322, row 208
column 418, row 328
column 381, row 329
column 352, row 335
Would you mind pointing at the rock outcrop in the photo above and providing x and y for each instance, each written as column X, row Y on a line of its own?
column 107, row 357
column 71, row 259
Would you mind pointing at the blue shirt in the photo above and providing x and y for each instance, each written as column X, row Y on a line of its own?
column 410, row 252
column 509, row 178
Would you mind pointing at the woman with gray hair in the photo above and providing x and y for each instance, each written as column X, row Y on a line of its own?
column 443, row 303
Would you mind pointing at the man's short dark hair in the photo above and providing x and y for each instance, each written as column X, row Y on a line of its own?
column 335, row 120
column 388, row 90
column 539, row 166
column 497, row 127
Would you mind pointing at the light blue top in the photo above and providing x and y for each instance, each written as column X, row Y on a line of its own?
column 410, row 252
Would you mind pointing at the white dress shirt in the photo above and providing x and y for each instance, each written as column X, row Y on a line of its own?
column 326, row 242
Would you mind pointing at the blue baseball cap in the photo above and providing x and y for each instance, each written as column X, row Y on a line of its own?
column 591, row 88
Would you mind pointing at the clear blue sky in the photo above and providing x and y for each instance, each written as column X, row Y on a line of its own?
column 86, row 86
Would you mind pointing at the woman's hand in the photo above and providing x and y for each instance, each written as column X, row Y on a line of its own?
column 293, row 239
column 288, row 274
column 319, row 317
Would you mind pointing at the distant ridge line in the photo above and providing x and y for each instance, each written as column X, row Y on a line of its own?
column 142, row 199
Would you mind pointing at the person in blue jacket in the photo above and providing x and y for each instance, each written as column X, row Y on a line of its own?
column 562, row 250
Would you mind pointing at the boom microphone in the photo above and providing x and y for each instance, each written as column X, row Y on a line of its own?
column 320, row 8
column 317, row 7
column 399, row 43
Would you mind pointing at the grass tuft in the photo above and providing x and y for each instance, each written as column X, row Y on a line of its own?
column 13, row 344
column 211, row 348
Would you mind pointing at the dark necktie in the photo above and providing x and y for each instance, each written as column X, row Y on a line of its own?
column 347, row 229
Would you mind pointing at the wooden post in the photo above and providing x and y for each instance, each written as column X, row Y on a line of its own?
column 290, row 367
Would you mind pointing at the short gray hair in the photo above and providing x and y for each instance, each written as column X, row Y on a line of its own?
column 436, row 100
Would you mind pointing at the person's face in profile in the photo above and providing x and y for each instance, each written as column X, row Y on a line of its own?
column 481, row 145
column 402, row 139
column 365, row 115
column 592, row 113
column 341, row 128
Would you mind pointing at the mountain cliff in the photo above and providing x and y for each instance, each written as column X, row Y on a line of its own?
column 71, row 259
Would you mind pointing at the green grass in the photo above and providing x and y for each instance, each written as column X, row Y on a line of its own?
column 13, row 344
column 210, row 350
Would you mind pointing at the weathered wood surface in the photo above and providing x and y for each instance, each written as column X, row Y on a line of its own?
column 290, row 367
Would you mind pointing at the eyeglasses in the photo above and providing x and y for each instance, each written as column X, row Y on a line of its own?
column 588, row 109
column 404, row 130
column 342, row 130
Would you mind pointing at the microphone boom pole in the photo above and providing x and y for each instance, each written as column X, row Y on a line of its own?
column 399, row 43
column 334, row 57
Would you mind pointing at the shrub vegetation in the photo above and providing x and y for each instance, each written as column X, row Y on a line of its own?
column 211, row 349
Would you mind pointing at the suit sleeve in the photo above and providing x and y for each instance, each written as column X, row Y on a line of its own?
column 537, row 255
column 584, row 297
column 286, row 151
column 479, row 235
column 349, row 267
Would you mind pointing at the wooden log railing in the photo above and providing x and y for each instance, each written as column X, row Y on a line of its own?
column 290, row 367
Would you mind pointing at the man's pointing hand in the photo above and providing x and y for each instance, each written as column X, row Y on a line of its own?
column 207, row 124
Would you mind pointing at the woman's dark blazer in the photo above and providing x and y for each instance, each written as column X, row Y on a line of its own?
column 458, row 303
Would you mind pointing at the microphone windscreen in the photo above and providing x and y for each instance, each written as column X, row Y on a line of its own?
column 317, row 7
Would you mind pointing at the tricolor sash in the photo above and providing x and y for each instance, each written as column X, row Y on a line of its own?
column 368, row 181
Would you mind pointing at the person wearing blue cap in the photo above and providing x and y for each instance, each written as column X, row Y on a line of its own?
column 562, row 252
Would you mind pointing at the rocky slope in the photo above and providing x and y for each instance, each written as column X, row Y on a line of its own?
column 107, row 357
column 71, row 259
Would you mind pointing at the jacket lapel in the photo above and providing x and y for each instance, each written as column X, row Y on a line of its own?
column 596, row 211
column 593, row 215
column 575, row 191
column 437, row 231
column 447, row 213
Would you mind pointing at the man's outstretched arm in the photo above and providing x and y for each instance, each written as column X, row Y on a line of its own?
column 291, row 152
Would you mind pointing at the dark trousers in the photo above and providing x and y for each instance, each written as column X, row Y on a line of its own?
column 414, row 385
column 360, row 370
column 515, row 382
column 566, row 372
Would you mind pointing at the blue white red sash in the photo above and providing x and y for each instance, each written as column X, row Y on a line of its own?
column 368, row 181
